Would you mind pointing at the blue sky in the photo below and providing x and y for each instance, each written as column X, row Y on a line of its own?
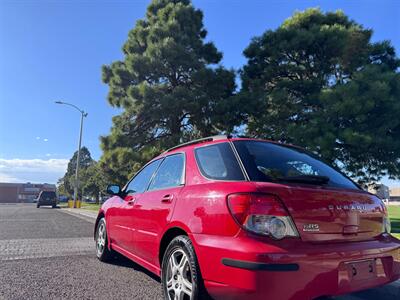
column 52, row 50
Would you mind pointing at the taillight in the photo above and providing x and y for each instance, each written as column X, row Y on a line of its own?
column 262, row 214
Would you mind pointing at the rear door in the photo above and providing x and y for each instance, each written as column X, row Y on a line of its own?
column 48, row 197
column 153, row 209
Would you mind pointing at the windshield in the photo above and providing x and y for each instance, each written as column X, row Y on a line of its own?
column 270, row 162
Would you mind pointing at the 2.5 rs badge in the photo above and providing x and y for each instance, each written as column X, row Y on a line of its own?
column 311, row 227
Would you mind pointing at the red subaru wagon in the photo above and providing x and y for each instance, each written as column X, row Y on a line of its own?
column 238, row 218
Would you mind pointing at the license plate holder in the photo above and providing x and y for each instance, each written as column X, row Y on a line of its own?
column 361, row 270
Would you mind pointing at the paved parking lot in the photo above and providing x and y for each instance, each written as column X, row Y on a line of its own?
column 49, row 254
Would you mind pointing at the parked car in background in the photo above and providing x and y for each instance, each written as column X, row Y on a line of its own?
column 63, row 199
column 47, row 198
column 89, row 200
column 239, row 218
column 104, row 199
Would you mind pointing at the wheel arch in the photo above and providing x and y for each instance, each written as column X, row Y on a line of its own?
column 99, row 217
column 167, row 237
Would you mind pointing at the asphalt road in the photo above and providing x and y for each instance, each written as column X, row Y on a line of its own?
column 49, row 254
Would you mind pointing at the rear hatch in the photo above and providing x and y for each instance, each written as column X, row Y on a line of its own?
column 326, row 214
column 48, row 196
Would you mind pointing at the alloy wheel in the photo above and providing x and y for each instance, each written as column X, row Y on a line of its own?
column 179, row 276
column 101, row 239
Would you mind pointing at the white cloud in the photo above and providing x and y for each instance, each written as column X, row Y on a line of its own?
column 45, row 140
column 38, row 137
column 48, row 154
column 32, row 170
column 7, row 178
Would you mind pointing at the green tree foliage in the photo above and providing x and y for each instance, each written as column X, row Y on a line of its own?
column 169, row 85
column 94, row 181
column 318, row 81
column 61, row 189
column 66, row 183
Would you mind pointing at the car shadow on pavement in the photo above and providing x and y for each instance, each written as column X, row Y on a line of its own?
column 121, row 261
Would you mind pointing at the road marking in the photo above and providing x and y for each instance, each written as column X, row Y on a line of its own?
column 42, row 248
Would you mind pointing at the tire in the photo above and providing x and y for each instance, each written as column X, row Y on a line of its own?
column 102, row 251
column 37, row 206
column 54, row 206
column 180, row 272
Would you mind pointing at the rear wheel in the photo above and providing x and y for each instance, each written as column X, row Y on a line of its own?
column 102, row 251
column 181, row 278
column 37, row 205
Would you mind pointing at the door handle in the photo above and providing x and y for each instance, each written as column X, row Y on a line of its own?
column 167, row 198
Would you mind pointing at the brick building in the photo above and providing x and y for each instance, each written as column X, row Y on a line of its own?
column 22, row 192
column 395, row 193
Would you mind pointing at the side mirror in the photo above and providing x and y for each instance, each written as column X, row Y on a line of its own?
column 113, row 189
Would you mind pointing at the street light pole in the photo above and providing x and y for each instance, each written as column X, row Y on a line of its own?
column 83, row 114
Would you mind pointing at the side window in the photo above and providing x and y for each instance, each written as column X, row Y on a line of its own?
column 141, row 180
column 218, row 162
column 170, row 173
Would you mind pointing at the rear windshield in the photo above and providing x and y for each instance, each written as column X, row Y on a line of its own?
column 270, row 162
column 218, row 162
column 48, row 195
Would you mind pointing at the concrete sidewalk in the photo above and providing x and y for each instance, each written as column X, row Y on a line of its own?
column 88, row 215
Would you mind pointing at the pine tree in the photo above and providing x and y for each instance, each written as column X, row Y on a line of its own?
column 169, row 86
column 318, row 81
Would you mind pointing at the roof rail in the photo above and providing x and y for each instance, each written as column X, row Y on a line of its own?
column 202, row 140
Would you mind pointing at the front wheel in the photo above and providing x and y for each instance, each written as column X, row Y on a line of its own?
column 181, row 278
column 102, row 251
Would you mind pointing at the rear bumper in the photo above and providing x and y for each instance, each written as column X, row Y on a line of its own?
column 244, row 268
column 47, row 202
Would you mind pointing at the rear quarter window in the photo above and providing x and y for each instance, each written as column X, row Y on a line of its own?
column 218, row 162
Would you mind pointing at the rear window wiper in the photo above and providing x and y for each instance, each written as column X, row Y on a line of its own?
column 313, row 179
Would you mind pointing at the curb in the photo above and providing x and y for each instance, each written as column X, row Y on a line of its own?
column 82, row 214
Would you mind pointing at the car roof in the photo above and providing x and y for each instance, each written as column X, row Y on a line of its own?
column 215, row 140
